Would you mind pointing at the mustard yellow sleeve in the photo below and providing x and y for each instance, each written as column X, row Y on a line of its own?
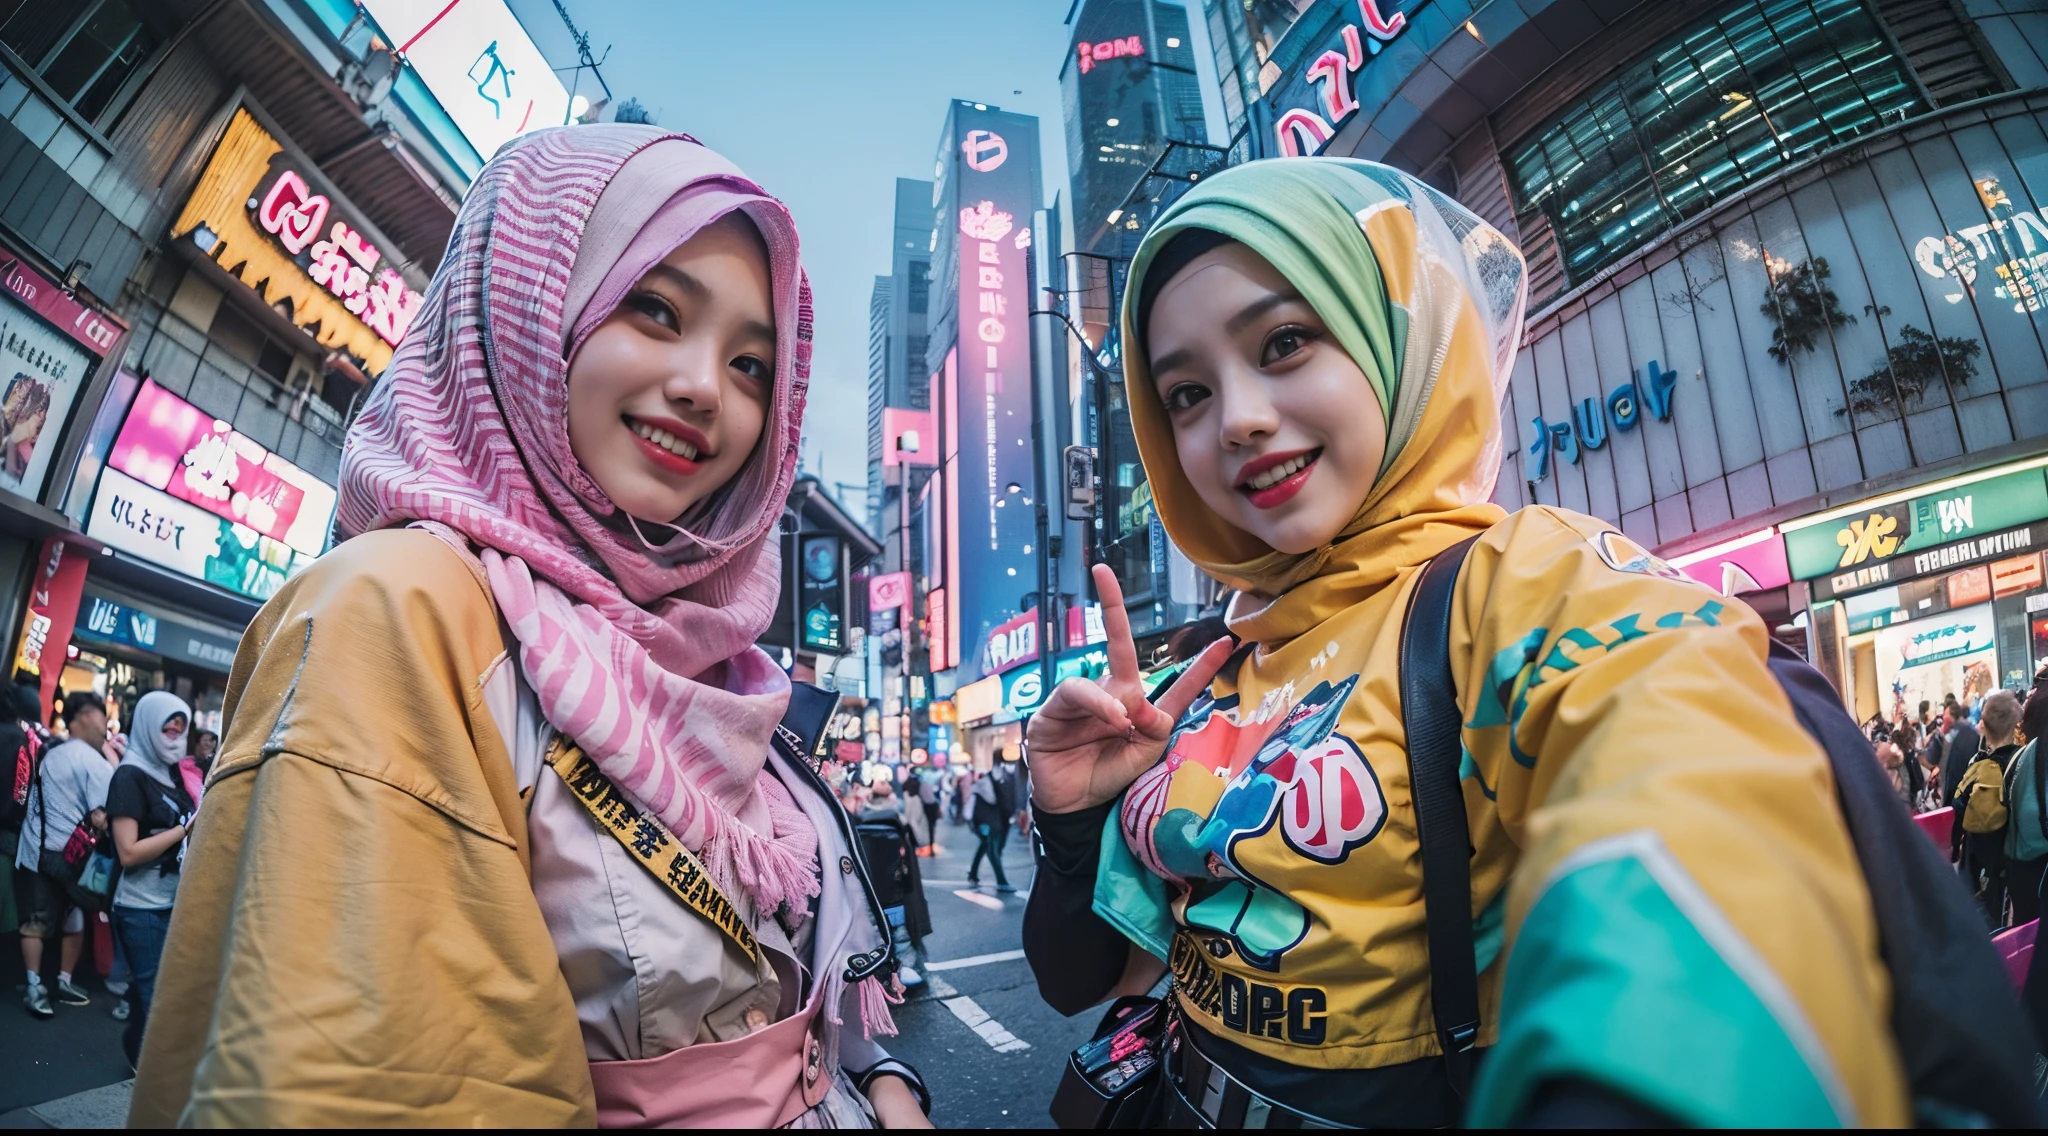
column 355, row 941
column 1687, row 924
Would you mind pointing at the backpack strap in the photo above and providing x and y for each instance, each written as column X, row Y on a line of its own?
column 1430, row 717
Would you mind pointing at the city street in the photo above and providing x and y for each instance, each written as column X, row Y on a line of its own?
column 982, row 1079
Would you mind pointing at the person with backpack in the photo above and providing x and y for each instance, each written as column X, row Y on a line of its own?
column 64, row 816
column 1981, row 809
column 1663, row 918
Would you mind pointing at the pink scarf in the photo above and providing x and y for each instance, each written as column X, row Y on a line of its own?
column 637, row 639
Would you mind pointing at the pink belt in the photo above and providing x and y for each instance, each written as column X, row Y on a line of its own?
column 763, row 1080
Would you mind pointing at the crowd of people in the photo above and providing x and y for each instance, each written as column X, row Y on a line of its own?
column 1977, row 757
column 95, row 823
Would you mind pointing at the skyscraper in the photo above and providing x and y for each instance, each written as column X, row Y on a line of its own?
column 1242, row 34
column 983, row 570
column 897, row 375
column 1128, row 87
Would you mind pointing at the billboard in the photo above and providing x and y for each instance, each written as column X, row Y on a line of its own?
column 41, row 372
column 186, row 491
column 267, row 216
column 480, row 65
column 988, row 190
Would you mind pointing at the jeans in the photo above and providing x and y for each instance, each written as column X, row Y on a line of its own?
column 141, row 935
column 993, row 837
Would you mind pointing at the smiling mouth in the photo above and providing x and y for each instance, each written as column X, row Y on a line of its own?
column 1272, row 483
column 663, row 439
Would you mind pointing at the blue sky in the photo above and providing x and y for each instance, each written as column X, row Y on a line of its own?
column 825, row 105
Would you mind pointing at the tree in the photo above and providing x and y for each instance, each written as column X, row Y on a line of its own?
column 632, row 111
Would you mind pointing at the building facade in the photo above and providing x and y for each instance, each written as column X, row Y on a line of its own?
column 216, row 221
column 1128, row 88
column 1787, row 271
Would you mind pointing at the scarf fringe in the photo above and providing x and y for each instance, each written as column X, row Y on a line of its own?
column 875, row 1000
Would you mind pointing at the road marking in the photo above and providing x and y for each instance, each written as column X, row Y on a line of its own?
column 991, row 1030
column 980, row 900
column 975, row 960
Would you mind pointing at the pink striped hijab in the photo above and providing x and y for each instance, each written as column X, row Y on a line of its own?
column 638, row 639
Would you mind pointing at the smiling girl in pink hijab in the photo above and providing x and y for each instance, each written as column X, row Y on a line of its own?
column 505, row 829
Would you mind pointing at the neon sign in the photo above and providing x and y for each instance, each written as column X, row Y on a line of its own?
column 1304, row 131
column 343, row 262
column 1089, row 54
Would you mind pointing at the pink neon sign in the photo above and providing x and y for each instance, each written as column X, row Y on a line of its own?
column 1089, row 54
column 343, row 263
column 1303, row 131
column 169, row 444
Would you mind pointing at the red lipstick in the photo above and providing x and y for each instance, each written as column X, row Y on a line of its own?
column 1280, row 492
column 661, row 455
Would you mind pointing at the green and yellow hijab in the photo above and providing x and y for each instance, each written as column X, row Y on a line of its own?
column 1657, row 856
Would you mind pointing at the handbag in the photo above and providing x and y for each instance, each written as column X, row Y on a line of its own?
column 85, row 866
column 1112, row 1080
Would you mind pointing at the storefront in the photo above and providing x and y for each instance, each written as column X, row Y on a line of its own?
column 53, row 352
column 1929, row 592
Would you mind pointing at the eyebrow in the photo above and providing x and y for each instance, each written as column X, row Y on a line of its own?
column 697, row 290
column 1257, row 308
column 1233, row 325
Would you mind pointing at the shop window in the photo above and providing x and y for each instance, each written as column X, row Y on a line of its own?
column 86, row 50
column 1728, row 102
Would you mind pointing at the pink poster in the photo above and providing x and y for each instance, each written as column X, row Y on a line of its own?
column 169, row 444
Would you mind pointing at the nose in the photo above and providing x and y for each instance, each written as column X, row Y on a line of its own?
column 695, row 379
column 1248, row 414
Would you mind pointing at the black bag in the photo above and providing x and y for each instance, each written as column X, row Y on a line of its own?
column 1966, row 1047
column 1112, row 1080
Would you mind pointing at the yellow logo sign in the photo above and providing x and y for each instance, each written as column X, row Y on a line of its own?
column 1872, row 536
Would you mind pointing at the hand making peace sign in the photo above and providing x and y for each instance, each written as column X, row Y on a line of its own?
column 1093, row 737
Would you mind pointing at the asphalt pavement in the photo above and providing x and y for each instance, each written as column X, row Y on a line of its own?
column 980, row 1076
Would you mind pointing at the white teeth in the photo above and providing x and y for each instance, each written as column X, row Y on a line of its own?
column 666, row 441
column 1279, row 473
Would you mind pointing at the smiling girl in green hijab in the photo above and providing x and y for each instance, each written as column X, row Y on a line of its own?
column 1670, row 919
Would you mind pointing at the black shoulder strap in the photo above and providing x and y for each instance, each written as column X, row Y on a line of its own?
column 1429, row 715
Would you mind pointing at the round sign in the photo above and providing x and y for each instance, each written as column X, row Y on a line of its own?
column 985, row 150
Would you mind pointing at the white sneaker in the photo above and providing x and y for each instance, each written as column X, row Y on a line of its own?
column 908, row 976
column 121, row 1010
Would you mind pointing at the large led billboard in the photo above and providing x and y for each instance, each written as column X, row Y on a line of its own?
column 480, row 65
column 987, row 192
column 185, row 490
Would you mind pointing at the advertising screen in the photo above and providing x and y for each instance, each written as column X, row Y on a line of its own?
column 40, row 373
column 169, row 444
column 823, row 594
column 479, row 63
column 185, row 491
column 989, row 194
column 1926, row 659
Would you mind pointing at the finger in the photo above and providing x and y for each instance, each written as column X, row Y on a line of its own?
column 1085, row 700
column 1116, row 623
column 1196, row 678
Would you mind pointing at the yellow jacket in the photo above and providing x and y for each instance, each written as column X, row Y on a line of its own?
column 1665, row 896
column 384, row 963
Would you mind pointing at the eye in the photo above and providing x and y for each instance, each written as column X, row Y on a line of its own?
column 1284, row 342
column 1182, row 396
column 754, row 368
column 654, row 307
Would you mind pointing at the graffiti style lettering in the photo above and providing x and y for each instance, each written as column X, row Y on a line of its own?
column 1871, row 536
